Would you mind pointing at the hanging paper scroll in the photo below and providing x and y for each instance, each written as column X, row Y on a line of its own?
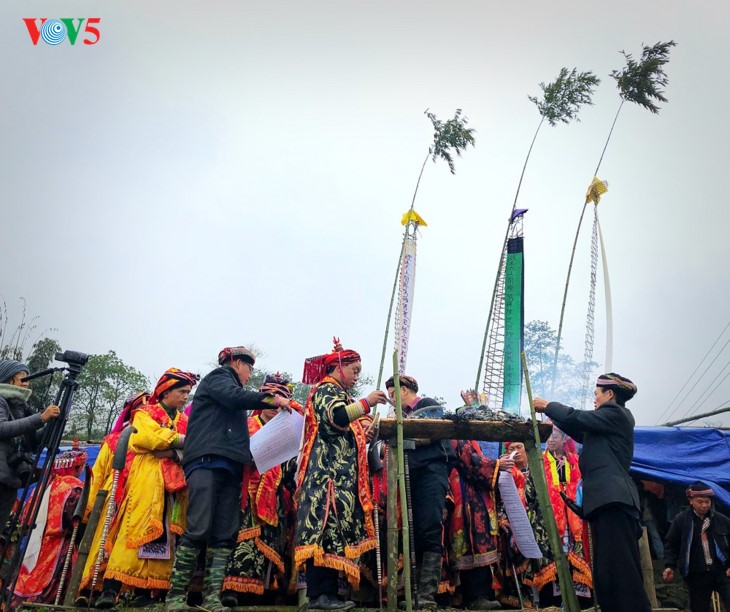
column 405, row 302
column 514, row 318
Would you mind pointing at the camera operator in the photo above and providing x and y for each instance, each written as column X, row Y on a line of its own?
column 19, row 433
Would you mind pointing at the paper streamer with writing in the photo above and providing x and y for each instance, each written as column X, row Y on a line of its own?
column 517, row 515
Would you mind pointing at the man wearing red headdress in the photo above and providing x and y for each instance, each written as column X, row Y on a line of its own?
column 45, row 554
column 216, row 452
column 335, row 509
column 610, row 498
column 102, row 476
column 258, row 562
column 154, row 500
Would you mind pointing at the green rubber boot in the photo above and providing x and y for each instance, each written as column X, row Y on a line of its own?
column 186, row 559
column 216, row 560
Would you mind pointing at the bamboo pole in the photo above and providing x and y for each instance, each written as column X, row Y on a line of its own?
column 392, row 529
column 647, row 568
column 405, row 527
column 537, row 472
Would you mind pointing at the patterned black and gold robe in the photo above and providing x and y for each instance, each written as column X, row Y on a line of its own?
column 259, row 560
column 334, row 514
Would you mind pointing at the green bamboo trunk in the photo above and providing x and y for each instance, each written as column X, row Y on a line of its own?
column 537, row 471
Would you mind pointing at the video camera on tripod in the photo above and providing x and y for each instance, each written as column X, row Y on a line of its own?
column 24, row 520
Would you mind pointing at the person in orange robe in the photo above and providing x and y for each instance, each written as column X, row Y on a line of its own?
column 46, row 551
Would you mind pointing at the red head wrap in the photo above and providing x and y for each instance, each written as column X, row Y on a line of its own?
column 315, row 368
column 171, row 379
column 130, row 406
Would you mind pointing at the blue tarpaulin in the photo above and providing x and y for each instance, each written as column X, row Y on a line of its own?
column 682, row 455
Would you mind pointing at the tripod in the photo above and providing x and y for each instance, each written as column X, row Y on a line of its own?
column 30, row 502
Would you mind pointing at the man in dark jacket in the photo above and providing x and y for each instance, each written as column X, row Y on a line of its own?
column 610, row 499
column 697, row 543
column 215, row 454
column 428, row 465
column 19, row 429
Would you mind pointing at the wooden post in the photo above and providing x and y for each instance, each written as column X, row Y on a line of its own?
column 402, row 487
column 537, row 472
column 647, row 568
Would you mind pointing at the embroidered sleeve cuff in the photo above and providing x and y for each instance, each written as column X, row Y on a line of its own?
column 354, row 411
column 365, row 406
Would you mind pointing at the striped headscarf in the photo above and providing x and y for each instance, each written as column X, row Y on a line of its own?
column 619, row 383
column 236, row 352
column 699, row 489
column 130, row 406
column 276, row 384
column 172, row 379
column 405, row 381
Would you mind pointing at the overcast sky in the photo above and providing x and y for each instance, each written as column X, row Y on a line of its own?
column 225, row 172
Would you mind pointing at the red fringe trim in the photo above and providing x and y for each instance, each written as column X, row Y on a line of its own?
column 243, row 585
column 547, row 574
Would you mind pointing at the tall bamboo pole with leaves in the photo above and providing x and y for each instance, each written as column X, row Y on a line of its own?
column 642, row 82
column 449, row 138
column 560, row 103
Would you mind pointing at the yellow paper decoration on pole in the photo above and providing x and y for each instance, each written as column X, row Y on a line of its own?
column 413, row 216
column 595, row 190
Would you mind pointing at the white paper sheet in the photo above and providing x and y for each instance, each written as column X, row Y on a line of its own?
column 277, row 441
column 517, row 515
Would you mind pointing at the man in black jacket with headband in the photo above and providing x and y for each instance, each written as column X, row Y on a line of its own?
column 428, row 466
column 697, row 544
column 610, row 499
column 215, row 455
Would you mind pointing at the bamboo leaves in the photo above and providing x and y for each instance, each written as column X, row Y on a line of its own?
column 643, row 81
column 562, row 99
column 450, row 135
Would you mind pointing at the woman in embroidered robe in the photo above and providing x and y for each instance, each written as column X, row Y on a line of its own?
column 46, row 552
column 562, row 474
column 473, row 522
column 258, row 562
column 154, row 500
column 511, row 559
column 335, row 509
column 101, row 479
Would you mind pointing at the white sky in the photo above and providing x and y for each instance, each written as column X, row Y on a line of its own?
column 224, row 172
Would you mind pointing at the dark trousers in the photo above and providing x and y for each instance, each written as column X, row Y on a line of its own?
column 616, row 563
column 214, row 507
column 8, row 495
column 476, row 583
column 428, row 497
column 702, row 585
column 321, row 581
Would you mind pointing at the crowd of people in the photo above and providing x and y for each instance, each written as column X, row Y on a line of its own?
column 192, row 522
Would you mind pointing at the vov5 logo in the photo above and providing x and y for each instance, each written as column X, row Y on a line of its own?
column 55, row 31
